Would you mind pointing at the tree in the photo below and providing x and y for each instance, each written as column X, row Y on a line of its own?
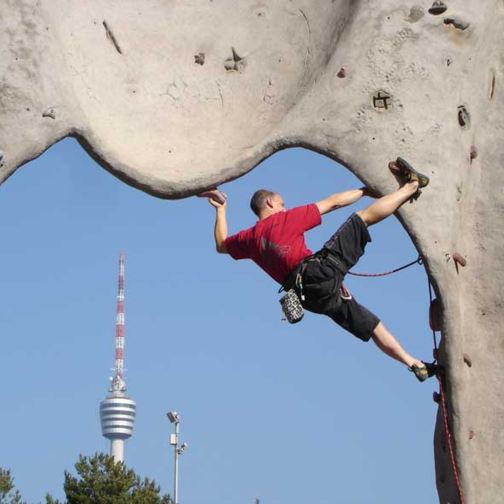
column 100, row 480
column 7, row 496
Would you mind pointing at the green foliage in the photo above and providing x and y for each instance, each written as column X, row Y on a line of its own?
column 50, row 500
column 7, row 493
column 100, row 480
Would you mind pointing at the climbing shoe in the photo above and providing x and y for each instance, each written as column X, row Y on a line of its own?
column 422, row 373
column 407, row 173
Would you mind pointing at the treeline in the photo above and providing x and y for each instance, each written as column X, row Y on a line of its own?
column 99, row 480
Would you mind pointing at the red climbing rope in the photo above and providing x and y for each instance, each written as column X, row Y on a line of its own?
column 445, row 413
column 418, row 261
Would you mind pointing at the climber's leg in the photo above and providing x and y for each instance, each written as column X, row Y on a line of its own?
column 388, row 204
column 386, row 342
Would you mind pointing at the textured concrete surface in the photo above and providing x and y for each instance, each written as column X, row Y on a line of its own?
column 176, row 96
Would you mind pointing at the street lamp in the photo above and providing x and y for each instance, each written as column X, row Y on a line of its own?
column 175, row 419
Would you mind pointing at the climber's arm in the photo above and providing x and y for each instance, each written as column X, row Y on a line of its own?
column 221, row 230
column 340, row 200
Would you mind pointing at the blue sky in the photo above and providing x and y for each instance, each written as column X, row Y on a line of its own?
column 286, row 414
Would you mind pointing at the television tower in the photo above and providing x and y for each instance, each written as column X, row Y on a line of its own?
column 118, row 412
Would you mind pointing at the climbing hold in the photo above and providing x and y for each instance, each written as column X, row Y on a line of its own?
column 474, row 153
column 111, row 37
column 459, row 259
column 416, row 13
column 436, row 397
column 50, row 112
column 2, row 158
column 471, row 434
column 467, row 360
column 493, row 81
column 235, row 63
column 382, row 101
column 199, row 58
column 342, row 73
column 464, row 118
column 214, row 194
column 229, row 65
column 444, row 441
column 457, row 23
column 438, row 7
column 435, row 315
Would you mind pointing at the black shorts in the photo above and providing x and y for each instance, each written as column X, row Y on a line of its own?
column 324, row 274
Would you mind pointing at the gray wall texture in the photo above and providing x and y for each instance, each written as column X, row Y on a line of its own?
column 175, row 96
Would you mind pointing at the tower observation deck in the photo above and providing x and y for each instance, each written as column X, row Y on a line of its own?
column 117, row 411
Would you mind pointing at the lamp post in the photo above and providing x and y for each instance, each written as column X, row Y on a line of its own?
column 175, row 419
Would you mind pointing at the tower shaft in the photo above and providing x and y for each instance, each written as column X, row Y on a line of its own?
column 117, row 411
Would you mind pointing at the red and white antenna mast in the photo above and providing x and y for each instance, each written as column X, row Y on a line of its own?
column 118, row 383
column 119, row 338
column 117, row 411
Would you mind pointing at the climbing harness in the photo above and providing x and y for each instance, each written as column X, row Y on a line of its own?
column 442, row 399
column 294, row 294
column 418, row 261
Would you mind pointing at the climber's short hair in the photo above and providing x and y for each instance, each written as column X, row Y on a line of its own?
column 258, row 201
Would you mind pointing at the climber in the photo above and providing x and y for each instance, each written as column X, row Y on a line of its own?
column 276, row 244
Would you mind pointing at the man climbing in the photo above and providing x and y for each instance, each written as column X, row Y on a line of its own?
column 276, row 244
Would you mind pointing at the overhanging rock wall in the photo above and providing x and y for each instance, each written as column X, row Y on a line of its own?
column 177, row 96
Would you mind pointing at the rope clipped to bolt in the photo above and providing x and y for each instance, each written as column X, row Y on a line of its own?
column 374, row 275
column 445, row 413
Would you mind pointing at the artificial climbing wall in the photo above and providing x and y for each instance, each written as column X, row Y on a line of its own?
column 176, row 96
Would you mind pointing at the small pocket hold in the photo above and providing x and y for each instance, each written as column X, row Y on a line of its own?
column 464, row 117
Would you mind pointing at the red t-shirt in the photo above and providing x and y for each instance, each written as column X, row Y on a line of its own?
column 276, row 244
